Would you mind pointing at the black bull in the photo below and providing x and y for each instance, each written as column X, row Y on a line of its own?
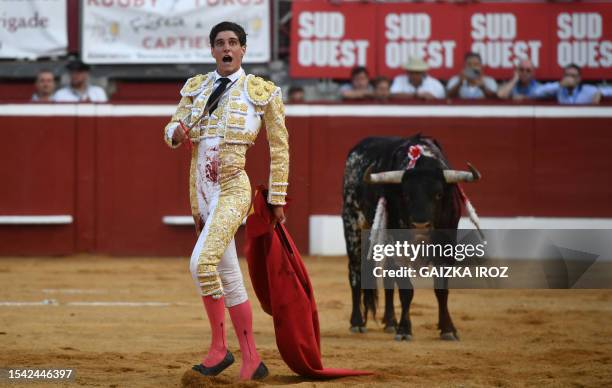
column 423, row 196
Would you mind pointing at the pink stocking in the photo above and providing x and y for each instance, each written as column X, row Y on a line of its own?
column 242, row 318
column 215, row 309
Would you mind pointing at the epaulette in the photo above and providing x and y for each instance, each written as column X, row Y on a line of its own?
column 195, row 85
column 259, row 91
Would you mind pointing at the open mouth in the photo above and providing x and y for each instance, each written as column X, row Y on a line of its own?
column 227, row 59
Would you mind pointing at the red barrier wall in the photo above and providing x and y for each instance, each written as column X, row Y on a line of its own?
column 117, row 178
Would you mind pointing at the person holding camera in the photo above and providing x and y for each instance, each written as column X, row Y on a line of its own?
column 523, row 85
column 471, row 83
column 570, row 90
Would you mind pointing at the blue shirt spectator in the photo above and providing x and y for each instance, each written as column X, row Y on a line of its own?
column 526, row 90
column 606, row 90
column 522, row 85
column 582, row 94
column 570, row 90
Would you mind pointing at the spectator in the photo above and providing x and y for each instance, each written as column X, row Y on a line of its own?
column 382, row 90
column 472, row 83
column 522, row 85
column 80, row 90
column 570, row 90
column 44, row 86
column 360, row 87
column 416, row 83
column 605, row 90
column 296, row 95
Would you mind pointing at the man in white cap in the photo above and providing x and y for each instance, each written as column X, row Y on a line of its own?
column 416, row 83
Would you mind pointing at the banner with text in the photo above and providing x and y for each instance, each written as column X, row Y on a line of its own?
column 329, row 40
column 152, row 31
column 551, row 35
column 33, row 28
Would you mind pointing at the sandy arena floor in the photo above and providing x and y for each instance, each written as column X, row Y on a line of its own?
column 508, row 337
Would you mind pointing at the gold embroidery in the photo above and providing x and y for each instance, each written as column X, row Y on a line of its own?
column 232, row 206
column 235, row 121
column 235, row 195
column 259, row 91
column 242, row 137
column 278, row 138
column 182, row 113
column 195, row 85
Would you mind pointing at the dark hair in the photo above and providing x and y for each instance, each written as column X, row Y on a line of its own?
column 77, row 65
column 228, row 26
column 359, row 70
column 573, row 66
column 295, row 89
column 381, row 79
column 472, row 54
column 44, row 70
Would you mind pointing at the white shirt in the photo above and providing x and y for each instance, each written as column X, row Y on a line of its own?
column 36, row 97
column 92, row 94
column 401, row 84
column 233, row 77
column 468, row 91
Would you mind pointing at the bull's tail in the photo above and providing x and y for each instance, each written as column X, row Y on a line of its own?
column 370, row 301
column 377, row 236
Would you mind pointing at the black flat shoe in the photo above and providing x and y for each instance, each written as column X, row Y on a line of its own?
column 261, row 372
column 216, row 369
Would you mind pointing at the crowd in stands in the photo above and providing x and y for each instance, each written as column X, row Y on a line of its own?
column 472, row 83
column 78, row 90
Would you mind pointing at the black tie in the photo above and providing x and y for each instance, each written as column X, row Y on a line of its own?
column 216, row 93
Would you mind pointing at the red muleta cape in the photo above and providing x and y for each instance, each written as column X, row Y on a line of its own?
column 283, row 288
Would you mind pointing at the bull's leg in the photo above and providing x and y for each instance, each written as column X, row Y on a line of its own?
column 389, row 317
column 352, row 233
column 445, row 323
column 357, row 321
column 404, row 329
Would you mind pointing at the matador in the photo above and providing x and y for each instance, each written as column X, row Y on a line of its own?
column 220, row 114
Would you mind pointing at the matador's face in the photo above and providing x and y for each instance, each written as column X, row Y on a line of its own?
column 227, row 52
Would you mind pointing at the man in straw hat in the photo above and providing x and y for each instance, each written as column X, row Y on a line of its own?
column 416, row 83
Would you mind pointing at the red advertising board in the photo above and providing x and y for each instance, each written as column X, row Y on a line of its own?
column 582, row 34
column 432, row 33
column 383, row 36
column 504, row 33
column 329, row 40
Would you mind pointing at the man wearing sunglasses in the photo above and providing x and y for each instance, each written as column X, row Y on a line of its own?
column 570, row 90
column 522, row 85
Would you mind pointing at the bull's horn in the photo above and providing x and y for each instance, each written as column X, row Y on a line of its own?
column 455, row 176
column 384, row 177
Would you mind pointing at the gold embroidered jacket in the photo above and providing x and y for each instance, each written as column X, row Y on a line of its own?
column 237, row 121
